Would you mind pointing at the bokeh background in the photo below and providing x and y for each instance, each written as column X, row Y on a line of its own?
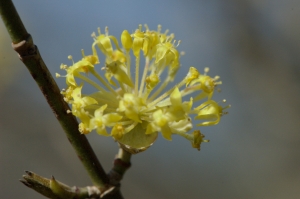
column 254, row 45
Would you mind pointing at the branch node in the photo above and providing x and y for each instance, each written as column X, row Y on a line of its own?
column 26, row 48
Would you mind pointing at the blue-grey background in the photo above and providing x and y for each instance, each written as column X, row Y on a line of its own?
column 253, row 45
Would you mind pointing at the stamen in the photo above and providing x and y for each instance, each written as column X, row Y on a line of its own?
column 163, row 96
column 106, row 31
column 174, row 42
column 102, row 80
column 172, row 36
column 146, row 27
column 128, row 58
column 191, row 89
column 63, row 66
column 82, row 53
column 206, row 70
column 144, row 76
column 158, row 91
column 158, row 28
column 226, row 107
column 186, row 135
column 90, row 82
column 93, row 35
column 71, row 58
column 218, row 83
column 216, row 78
column 137, row 67
column 103, row 98
column 140, row 27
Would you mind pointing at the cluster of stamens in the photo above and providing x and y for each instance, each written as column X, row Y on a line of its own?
column 134, row 109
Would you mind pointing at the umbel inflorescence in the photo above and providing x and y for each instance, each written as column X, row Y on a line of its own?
column 134, row 109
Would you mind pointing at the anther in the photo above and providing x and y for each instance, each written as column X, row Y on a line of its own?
column 106, row 31
column 206, row 70
column 82, row 52
column 63, row 66
column 174, row 42
column 93, row 35
column 216, row 78
column 71, row 58
column 218, row 83
column 146, row 27
column 172, row 36
column 158, row 28
column 179, row 41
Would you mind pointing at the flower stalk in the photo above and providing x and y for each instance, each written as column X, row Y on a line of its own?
column 51, row 188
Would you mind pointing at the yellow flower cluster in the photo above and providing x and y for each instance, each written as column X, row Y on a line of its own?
column 135, row 108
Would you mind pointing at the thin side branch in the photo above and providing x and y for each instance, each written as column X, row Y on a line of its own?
column 51, row 188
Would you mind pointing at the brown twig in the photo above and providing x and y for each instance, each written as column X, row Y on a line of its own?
column 30, row 56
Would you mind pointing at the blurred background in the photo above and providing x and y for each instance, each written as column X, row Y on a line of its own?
column 253, row 45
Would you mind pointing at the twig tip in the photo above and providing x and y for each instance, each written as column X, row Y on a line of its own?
column 25, row 182
column 29, row 173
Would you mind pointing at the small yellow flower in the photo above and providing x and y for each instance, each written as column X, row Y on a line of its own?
column 198, row 139
column 83, row 66
column 192, row 75
column 79, row 101
column 103, row 41
column 136, row 108
column 100, row 121
column 210, row 111
column 204, row 83
column 117, row 70
column 140, row 42
column 117, row 131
